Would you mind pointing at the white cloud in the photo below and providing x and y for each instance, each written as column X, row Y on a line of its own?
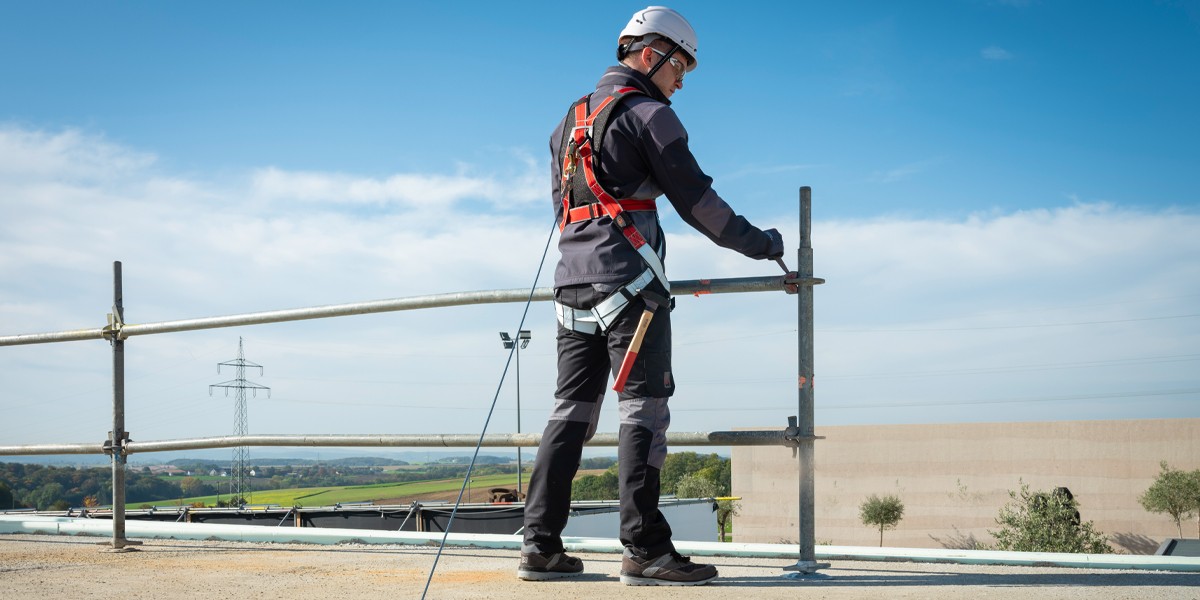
column 71, row 154
column 408, row 189
column 995, row 53
column 521, row 185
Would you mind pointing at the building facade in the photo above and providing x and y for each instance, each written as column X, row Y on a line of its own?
column 954, row 478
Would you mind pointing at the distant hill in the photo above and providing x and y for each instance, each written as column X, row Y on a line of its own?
column 275, row 457
column 354, row 461
column 481, row 460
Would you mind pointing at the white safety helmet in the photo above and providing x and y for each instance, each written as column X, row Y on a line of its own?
column 668, row 24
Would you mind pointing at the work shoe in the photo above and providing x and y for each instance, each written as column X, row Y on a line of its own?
column 668, row 569
column 543, row 567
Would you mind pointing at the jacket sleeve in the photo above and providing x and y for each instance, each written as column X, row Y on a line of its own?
column 690, row 191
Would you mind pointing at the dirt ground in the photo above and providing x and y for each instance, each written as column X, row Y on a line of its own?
column 66, row 568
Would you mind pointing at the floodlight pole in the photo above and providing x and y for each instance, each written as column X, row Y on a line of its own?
column 516, row 344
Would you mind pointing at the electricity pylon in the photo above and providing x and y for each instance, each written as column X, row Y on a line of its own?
column 240, row 489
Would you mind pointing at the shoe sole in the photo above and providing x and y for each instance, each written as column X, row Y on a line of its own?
column 635, row 580
column 545, row 575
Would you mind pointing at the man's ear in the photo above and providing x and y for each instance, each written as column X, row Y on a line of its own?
column 647, row 56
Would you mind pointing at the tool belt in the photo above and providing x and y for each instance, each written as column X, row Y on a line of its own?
column 599, row 318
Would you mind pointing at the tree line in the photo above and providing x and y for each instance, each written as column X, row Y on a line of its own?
column 678, row 465
column 59, row 488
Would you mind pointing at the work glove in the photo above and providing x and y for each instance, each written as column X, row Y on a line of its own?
column 774, row 249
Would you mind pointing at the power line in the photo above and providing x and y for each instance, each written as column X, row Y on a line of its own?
column 916, row 404
column 932, row 329
column 994, row 327
column 1071, row 398
column 1148, row 360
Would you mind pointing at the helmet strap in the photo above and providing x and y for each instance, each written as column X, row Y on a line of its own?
column 662, row 60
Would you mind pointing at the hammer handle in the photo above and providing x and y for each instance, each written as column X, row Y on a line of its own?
column 635, row 345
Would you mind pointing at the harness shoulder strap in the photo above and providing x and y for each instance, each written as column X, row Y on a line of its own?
column 601, row 117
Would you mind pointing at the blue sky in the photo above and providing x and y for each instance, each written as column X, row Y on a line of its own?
column 1004, row 206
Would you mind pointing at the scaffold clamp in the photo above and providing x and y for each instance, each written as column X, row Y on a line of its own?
column 791, row 435
column 116, row 322
column 108, row 444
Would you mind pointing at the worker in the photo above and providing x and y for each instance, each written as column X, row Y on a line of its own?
column 614, row 153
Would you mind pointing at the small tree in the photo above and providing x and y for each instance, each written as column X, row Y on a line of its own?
column 1174, row 492
column 192, row 486
column 697, row 485
column 1046, row 522
column 883, row 513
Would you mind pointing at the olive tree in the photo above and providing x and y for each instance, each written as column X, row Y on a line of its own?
column 1174, row 492
column 883, row 513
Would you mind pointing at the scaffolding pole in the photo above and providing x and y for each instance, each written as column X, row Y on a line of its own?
column 806, row 519
column 116, row 438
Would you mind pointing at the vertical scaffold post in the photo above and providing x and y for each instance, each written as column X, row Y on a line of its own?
column 117, row 436
column 807, row 563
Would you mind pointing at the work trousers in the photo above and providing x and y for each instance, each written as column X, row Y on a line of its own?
column 584, row 364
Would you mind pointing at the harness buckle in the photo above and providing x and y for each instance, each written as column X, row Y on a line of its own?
column 587, row 132
column 571, row 158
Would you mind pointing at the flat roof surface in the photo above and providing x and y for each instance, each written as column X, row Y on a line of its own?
column 62, row 567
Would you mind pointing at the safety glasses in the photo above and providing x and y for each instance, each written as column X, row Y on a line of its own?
column 679, row 66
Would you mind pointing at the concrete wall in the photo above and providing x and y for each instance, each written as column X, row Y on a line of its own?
column 953, row 479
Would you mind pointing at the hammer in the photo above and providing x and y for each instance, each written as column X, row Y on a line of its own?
column 635, row 345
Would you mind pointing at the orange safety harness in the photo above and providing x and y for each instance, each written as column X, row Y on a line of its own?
column 580, row 149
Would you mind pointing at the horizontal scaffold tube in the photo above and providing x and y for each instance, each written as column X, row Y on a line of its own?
column 48, row 449
column 696, row 287
column 780, row 437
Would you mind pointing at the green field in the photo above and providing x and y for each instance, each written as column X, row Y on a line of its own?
column 325, row 496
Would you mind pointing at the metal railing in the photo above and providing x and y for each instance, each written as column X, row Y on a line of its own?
column 799, row 434
column 419, row 440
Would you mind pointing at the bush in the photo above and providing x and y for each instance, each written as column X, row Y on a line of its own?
column 883, row 513
column 696, row 485
column 1046, row 522
column 6, row 497
column 710, row 466
column 596, row 487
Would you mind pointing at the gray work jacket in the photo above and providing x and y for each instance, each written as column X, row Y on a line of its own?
column 644, row 155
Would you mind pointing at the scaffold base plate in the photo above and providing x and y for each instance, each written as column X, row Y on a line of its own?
column 806, row 569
